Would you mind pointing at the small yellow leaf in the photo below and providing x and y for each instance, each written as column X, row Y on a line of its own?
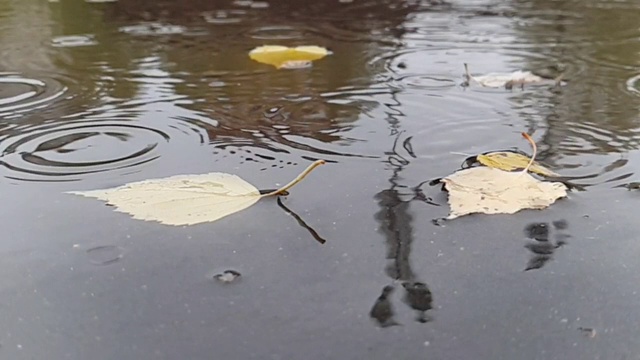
column 512, row 161
column 283, row 57
column 488, row 190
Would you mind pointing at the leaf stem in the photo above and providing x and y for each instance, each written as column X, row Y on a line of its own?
column 298, row 178
column 467, row 75
column 535, row 151
column 558, row 80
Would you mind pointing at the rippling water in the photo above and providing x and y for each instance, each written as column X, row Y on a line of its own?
column 101, row 93
column 120, row 62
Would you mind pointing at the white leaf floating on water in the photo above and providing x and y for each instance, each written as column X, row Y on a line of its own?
column 508, row 80
column 186, row 199
column 501, row 79
column 493, row 191
column 489, row 190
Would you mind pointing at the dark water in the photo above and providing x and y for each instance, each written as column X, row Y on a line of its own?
column 97, row 94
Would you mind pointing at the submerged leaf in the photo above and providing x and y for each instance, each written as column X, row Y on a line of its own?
column 283, row 57
column 187, row 199
column 512, row 161
column 493, row 191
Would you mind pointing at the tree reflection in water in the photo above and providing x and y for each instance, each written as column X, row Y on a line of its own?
column 395, row 222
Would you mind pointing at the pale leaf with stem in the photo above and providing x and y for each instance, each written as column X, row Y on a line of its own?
column 187, row 199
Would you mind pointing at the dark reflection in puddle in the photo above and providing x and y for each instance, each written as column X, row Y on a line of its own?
column 543, row 248
column 382, row 310
column 560, row 224
column 418, row 297
column 395, row 223
column 297, row 217
column 282, row 128
column 537, row 231
column 301, row 222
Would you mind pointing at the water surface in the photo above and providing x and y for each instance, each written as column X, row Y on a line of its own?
column 96, row 94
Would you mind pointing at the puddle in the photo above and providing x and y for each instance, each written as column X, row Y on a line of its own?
column 349, row 264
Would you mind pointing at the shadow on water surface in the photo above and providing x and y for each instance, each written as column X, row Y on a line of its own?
column 301, row 222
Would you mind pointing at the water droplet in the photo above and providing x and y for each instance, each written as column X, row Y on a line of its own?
column 105, row 254
column 227, row 276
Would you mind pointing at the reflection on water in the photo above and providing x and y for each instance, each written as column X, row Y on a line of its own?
column 396, row 223
column 301, row 222
column 382, row 310
column 117, row 57
column 633, row 85
column 544, row 247
column 116, row 60
column 594, row 113
column 419, row 298
column 19, row 94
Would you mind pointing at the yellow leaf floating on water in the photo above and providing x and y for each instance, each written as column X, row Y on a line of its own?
column 512, row 161
column 187, row 199
column 283, row 57
column 490, row 190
